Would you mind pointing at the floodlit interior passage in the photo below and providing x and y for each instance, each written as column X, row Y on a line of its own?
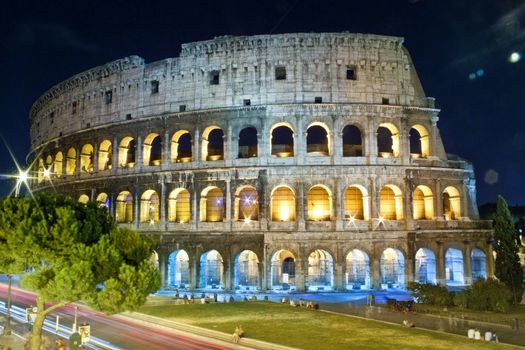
column 425, row 266
column 283, row 271
column 392, row 269
column 211, row 267
column 246, row 271
column 357, row 275
column 454, row 267
column 149, row 207
column 178, row 269
column 212, row 205
column 283, row 204
column 124, row 208
column 391, row 203
column 319, row 204
column 179, row 206
column 423, row 203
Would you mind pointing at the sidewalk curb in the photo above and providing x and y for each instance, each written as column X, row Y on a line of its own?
column 209, row 335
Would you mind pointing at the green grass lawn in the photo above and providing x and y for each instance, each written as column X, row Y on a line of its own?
column 306, row 329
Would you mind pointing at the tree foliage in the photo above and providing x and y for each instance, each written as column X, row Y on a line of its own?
column 508, row 268
column 72, row 251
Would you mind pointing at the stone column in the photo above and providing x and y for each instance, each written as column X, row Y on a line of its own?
column 339, row 276
column 375, row 265
column 139, row 153
column 112, row 204
column 196, row 146
column 228, row 145
column 166, row 156
column 467, row 269
column 440, row 265
column 438, row 201
column 301, row 271
column 299, row 138
column 228, row 203
column 490, row 261
column 373, row 199
column 163, row 269
column 339, row 205
column 114, row 160
column 136, row 214
column 77, row 163
column 95, row 158
column 433, row 138
column 194, row 268
column 300, row 207
column 464, row 192
column 163, row 199
column 371, row 140
column 195, row 199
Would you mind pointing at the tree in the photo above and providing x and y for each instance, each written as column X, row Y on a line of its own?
column 73, row 252
column 508, row 268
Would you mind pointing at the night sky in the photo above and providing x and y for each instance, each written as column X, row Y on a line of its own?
column 460, row 48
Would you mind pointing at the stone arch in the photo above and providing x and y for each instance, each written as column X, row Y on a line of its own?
column 152, row 154
column 419, row 141
column 356, row 203
column 478, row 263
column 357, row 275
column 246, row 204
column 451, row 203
column 318, row 139
column 422, row 203
column 454, row 273
column 179, row 206
column 179, row 269
column 282, row 204
column 149, row 207
column 282, row 271
column 246, row 271
column 282, row 140
column 48, row 168
column 211, row 270
column 320, row 270
column 212, row 148
column 40, row 170
column 86, row 158
column 387, row 140
column 84, row 199
column 212, row 206
column 57, row 165
column 181, row 150
column 103, row 200
column 248, row 143
column 105, row 155
column 124, row 207
column 71, row 161
column 319, row 203
column 352, row 141
column 392, row 269
column 425, row 266
column 126, row 152
column 391, row 203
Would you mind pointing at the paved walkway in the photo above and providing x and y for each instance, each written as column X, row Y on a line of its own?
column 13, row 342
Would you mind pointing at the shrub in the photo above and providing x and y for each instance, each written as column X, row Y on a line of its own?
column 431, row 294
column 485, row 295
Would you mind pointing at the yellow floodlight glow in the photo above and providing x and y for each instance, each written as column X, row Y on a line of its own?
column 284, row 214
column 381, row 219
column 22, row 176
column 46, row 173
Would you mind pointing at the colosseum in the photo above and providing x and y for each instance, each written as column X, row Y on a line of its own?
column 291, row 162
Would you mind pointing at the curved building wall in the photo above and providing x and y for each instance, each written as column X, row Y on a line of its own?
column 284, row 208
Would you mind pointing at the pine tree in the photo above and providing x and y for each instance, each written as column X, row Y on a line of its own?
column 508, row 268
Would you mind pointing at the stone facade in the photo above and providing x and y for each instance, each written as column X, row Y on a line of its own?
column 282, row 162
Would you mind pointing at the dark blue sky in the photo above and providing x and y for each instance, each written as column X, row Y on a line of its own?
column 482, row 119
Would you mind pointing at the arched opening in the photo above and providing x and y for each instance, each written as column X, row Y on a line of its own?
column 213, row 144
column 320, row 271
column 71, row 161
column 152, row 155
column 423, row 203
column 48, row 169
column 149, row 207
column 248, row 143
column 283, row 204
column 154, row 259
column 451, row 203
column 126, row 152
column 419, row 145
column 478, row 264
column 181, row 147
column 86, row 159
column 57, row 165
column 246, row 270
column 357, row 274
column 40, row 170
column 103, row 200
column 105, row 155
column 454, row 267
column 318, row 140
column 246, row 206
column 283, row 271
column 387, row 140
column 84, row 199
column 425, row 266
column 392, row 269
column 211, row 270
column 391, row 203
column 319, row 204
column 282, row 140
column 179, row 269
column 124, row 208
column 212, row 205
column 179, row 206
column 356, row 203
column 352, row 141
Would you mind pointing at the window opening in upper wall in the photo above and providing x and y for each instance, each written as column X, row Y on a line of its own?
column 214, row 77
column 280, row 73
column 154, row 86
column 74, row 107
column 247, row 102
column 318, row 100
column 385, row 101
column 182, row 108
column 108, row 96
column 350, row 73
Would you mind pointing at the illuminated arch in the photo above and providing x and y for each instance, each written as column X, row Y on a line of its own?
column 425, row 266
column 357, row 274
column 71, row 161
column 246, row 204
column 283, row 204
column 387, row 140
column 179, row 206
column 211, row 271
column 392, row 269
column 454, row 267
column 320, row 271
column 282, row 270
column 391, row 203
column 86, row 158
column 179, row 269
column 246, row 270
column 423, row 203
column 319, row 203
column 451, row 203
column 84, row 199
column 212, row 147
column 181, row 151
column 478, row 263
column 149, row 207
column 103, row 200
column 352, row 141
column 40, row 170
column 105, row 155
column 212, row 205
column 124, row 207
column 126, row 152
column 152, row 154
column 356, row 203
column 282, row 140
column 318, row 139
column 419, row 141
column 57, row 165
column 248, row 143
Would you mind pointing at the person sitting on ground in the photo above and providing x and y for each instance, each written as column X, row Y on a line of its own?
column 470, row 333
column 292, row 303
column 238, row 334
column 488, row 335
column 494, row 338
column 477, row 334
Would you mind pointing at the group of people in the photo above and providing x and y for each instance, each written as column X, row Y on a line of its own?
column 302, row 303
column 474, row 333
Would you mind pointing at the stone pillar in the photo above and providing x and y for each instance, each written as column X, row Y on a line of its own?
column 112, row 204
column 163, row 200
column 139, row 153
column 438, row 201
column 194, row 268
column 95, row 158
column 373, row 199
column 228, row 203
column 375, row 265
column 490, row 261
column 464, row 193
column 467, row 269
column 228, row 145
column 228, row 272
column 299, row 140
column 163, row 269
column 261, row 285
column 196, row 146
column 433, row 138
column 301, row 271
column 337, row 145
column 77, row 163
column 114, row 160
column 371, row 140
column 136, row 214
column 166, row 151
column 339, row 277
column 408, row 215
column 267, row 268
column 195, row 210
column 301, row 202
column 339, row 205
column 440, row 265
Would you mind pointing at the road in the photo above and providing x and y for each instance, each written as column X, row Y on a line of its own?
column 121, row 334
